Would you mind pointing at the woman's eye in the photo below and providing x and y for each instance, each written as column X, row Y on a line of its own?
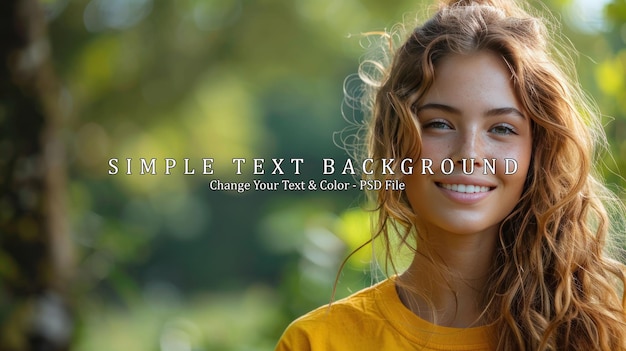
column 503, row 129
column 437, row 125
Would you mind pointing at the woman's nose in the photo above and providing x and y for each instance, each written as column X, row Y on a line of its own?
column 469, row 146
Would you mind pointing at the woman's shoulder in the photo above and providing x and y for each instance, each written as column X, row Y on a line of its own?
column 345, row 319
column 356, row 306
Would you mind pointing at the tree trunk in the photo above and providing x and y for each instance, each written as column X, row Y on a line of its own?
column 35, row 251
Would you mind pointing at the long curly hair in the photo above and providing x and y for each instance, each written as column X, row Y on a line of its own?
column 553, row 287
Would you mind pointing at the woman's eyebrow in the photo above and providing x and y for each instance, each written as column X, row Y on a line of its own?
column 490, row 113
column 505, row 111
column 435, row 106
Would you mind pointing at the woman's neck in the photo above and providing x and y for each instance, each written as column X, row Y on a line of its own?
column 446, row 281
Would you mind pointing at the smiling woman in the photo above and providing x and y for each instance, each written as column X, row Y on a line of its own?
column 501, row 260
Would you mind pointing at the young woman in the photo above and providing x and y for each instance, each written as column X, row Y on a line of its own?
column 504, row 259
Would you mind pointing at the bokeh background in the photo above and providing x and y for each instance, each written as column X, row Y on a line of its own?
column 164, row 263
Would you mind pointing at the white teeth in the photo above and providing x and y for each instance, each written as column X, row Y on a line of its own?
column 466, row 188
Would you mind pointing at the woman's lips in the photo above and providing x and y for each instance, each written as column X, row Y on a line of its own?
column 465, row 193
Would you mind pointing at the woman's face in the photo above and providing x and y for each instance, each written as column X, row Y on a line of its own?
column 470, row 112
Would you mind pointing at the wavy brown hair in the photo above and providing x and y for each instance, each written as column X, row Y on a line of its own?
column 554, row 287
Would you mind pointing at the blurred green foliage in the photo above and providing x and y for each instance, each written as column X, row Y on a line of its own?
column 165, row 263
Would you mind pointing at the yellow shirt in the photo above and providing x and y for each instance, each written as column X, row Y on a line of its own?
column 375, row 319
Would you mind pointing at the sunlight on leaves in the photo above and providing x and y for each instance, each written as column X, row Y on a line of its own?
column 93, row 72
column 610, row 76
column 353, row 227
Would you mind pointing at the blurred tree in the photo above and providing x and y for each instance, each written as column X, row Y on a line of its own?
column 35, row 260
